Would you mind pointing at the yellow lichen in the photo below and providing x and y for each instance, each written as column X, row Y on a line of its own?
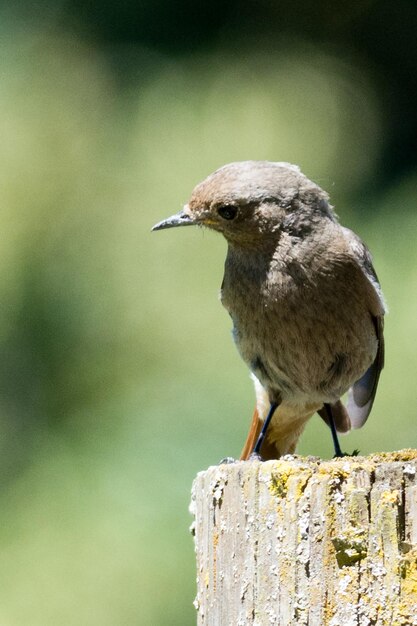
column 215, row 544
column 390, row 497
column 351, row 546
column 301, row 484
column 408, row 454
column 279, row 484
column 285, row 479
column 408, row 570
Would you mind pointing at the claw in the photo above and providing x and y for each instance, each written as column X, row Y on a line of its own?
column 255, row 457
column 228, row 460
column 343, row 454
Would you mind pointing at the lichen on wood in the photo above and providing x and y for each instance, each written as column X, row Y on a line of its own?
column 300, row 541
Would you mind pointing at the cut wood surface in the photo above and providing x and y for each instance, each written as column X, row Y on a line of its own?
column 302, row 541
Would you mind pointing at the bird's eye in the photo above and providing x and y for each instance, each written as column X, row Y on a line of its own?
column 227, row 212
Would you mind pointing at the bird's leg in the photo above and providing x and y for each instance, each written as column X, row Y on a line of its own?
column 257, row 449
column 337, row 449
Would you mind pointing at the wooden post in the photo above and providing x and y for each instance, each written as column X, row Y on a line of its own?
column 302, row 541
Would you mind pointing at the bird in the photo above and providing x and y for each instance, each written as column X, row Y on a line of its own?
column 305, row 302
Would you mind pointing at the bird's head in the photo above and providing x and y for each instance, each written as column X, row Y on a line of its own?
column 249, row 201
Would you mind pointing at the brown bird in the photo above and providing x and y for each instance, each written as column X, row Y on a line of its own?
column 306, row 304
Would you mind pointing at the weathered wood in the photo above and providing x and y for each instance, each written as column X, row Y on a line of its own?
column 304, row 542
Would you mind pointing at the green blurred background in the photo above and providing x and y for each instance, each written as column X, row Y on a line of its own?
column 118, row 376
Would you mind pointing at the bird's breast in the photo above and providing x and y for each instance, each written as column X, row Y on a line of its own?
column 300, row 337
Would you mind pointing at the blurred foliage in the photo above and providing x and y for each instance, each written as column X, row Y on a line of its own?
column 118, row 377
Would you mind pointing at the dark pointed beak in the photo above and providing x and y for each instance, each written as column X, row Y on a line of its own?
column 179, row 219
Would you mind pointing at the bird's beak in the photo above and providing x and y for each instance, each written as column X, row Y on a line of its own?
column 179, row 219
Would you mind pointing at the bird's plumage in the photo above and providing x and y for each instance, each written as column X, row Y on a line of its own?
column 305, row 302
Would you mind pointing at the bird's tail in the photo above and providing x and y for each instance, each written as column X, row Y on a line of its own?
column 287, row 424
column 253, row 434
column 283, row 433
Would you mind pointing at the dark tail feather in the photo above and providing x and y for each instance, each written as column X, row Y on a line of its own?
column 340, row 416
column 362, row 394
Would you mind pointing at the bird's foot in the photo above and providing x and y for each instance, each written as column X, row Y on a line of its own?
column 228, row 460
column 255, row 457
column 343, row 454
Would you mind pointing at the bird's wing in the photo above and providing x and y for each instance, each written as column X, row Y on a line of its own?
column 362, row 394
column 360, row 254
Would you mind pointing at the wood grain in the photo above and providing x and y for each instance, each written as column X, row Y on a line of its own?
column 302, row 541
